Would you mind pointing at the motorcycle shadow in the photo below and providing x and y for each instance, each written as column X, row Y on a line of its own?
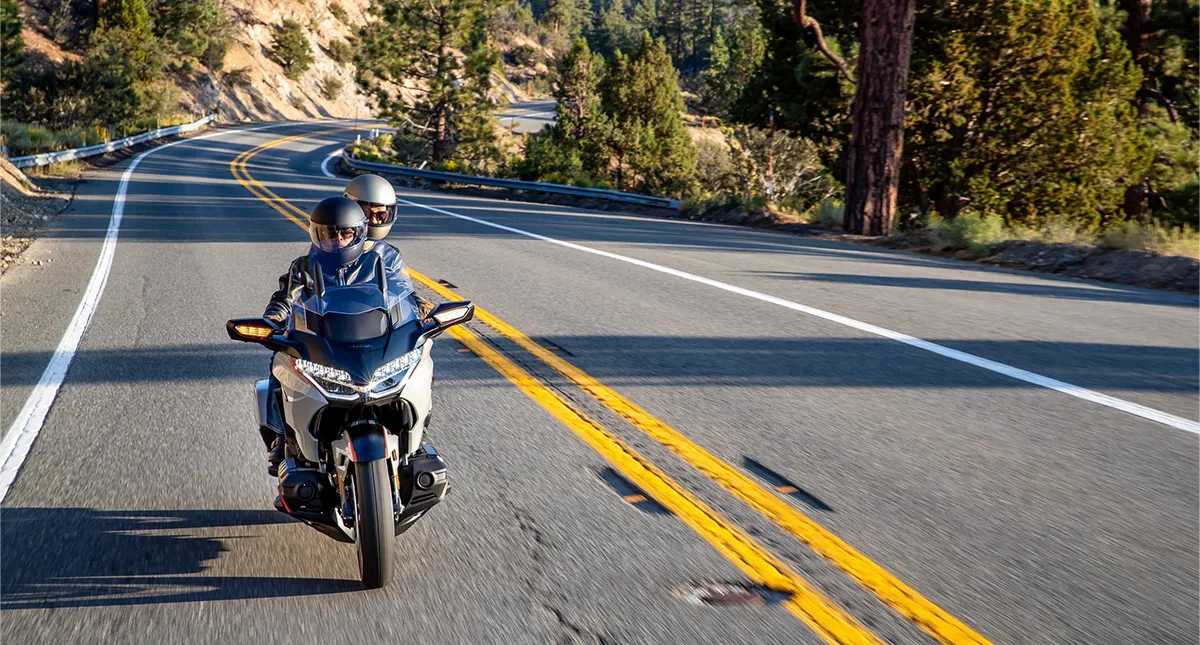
column 79, row 557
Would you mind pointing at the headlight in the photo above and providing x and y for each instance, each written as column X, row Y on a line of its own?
column 391, row 374
column 330, row 379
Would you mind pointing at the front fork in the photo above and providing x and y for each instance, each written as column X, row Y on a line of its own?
column 364, row 441
column 418, row 480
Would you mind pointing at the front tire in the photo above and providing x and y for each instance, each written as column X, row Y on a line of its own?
column 375, row 537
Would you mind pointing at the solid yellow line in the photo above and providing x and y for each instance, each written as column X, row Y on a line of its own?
column 808, row 604
column 933, row 619
column 238, row 168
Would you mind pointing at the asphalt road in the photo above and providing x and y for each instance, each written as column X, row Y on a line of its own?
column 142, row 512
column 530, row 116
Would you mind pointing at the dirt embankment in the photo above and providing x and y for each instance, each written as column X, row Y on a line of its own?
column 23, row 213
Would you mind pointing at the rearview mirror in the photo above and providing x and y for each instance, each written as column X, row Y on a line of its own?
column 449, row 314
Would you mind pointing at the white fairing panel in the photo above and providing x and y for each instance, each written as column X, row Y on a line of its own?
column 301, row 402
column 418, row 391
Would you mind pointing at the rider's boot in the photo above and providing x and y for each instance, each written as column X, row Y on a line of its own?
column 274, row 443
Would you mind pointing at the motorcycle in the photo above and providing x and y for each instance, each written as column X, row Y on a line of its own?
column 355, row 375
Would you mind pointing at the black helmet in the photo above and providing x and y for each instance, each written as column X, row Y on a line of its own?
column 338, row 229
column 377, row 198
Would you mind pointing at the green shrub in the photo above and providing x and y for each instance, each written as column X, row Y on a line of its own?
column 974, row 230
column 25, row 139
column 341, row 52
column 524, row 56
column 214, row 55
column 339, row 13
column 331, row 88
column 829, row 213
column 239, row 77
column 292, row 50
column 297, row 102
column 1155, row 238
column 366, row 151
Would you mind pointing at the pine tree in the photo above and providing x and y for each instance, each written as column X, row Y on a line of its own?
column 1022, row 109
column 578, row 102
column 610, row 29
column 292, row 49
column 716, row 76
column 1161, row 38
column 130, row 15
column 645, row 17
column 876, row 142
column 415, row 44
column 651, row 145
column 792, row 79
column 125, row 24
column 11, row 42
column 576, row 143
column 746, row 55
column 566, row 19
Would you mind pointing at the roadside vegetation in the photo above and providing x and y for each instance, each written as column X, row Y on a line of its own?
column 744, row 105
column 117, row 84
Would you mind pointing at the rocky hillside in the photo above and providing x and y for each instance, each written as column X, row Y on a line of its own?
column 254, row 85
column 251, row 84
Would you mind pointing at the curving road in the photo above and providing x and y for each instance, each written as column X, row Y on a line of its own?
column 530, row 116
column 896, row 448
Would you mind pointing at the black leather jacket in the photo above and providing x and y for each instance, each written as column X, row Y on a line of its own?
column 299, row 277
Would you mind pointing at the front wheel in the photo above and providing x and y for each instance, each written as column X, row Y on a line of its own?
column 375, row 536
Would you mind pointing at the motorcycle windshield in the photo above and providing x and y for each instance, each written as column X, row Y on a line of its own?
column 355, row 313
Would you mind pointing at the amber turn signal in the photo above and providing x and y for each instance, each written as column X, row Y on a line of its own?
column 253, row 331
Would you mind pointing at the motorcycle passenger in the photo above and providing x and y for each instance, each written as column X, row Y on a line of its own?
column 340, row 247
column 377, row 198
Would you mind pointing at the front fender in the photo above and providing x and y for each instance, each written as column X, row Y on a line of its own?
column 368, row 446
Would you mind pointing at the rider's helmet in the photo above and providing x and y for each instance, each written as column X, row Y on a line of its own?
column 378, row 201
column 338, row 229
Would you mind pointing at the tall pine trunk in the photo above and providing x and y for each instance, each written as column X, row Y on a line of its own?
column 1137, row 13
column 876, row 143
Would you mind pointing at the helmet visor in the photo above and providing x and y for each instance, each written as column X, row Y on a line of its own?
column 331, row 238
column 378, row 214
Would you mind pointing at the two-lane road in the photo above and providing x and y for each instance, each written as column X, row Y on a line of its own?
column 1023, row 513
column 530, row 116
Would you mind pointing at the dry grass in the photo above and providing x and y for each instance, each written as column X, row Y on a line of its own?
column 63, row 169
column 1155, row 238
column 981, row 234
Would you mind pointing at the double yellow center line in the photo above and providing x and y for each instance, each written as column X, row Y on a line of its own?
column 810, row 605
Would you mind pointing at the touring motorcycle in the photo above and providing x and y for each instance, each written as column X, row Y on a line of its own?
column 355, row 374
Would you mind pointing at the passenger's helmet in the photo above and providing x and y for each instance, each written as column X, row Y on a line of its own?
column 338, row 229
column 378, row 201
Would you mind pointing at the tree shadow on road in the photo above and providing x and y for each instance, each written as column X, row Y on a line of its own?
column 1059, row 289
column 79, row 557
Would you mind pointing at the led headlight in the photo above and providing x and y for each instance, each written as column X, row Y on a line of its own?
column 330, row 379
column 391, row 374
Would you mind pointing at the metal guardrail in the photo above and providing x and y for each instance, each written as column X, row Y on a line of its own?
column 515, row 184
column 101, row 148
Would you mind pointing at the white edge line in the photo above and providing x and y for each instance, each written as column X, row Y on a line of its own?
column 14, row 448
column 1000, row 368
column 325, row 164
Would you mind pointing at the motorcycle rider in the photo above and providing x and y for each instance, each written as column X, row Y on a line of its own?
column 338, row 229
